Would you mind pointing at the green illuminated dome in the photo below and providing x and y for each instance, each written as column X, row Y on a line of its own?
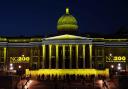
column 67, row 22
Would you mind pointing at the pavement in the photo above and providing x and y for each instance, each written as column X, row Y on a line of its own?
column 59, row 84
column 111, row 84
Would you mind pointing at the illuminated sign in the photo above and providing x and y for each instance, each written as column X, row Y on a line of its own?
column 21, row 59
column 115, row 58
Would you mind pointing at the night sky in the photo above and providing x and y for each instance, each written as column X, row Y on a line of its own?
column 39, row 17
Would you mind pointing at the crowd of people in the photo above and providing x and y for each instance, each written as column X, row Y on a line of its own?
column 64, row 77
column 85, row 80
column 66, row 80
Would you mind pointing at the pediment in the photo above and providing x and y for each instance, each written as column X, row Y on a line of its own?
column 66, row 36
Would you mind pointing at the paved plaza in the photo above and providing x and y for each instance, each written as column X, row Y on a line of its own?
column 59, row 84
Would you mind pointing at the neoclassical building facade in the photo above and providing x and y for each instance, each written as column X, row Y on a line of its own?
column 64, row 50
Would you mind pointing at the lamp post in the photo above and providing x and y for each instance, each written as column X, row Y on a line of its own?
column 112, row 66
column 11, row 66
column 19, row 66
column 119, row 67
column 112, row 70
column 110, row 54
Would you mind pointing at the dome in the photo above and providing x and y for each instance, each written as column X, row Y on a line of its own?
column 67, row 22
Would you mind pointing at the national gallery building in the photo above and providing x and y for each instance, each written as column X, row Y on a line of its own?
column 64, row 50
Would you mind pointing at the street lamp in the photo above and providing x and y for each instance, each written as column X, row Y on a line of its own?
column 119, row 66
column 112, row 72
column 110, row 54
column 11, row 66
column 112, row 66
column 19, row 66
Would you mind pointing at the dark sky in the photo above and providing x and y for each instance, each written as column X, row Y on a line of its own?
column 39, row 17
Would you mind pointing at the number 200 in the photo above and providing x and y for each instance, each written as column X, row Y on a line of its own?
column 119, row 58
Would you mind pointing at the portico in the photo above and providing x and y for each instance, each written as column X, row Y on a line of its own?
column 67, row 51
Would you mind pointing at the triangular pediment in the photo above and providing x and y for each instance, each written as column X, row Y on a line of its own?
column 64, row 37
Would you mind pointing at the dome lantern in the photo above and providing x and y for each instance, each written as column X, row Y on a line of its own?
column 67, row 10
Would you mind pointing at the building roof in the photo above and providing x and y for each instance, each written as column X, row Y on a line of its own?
column 67, row 22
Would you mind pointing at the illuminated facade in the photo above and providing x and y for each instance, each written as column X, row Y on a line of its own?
column 64, row 51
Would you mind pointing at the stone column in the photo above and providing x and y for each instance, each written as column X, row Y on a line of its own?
column 76, row 56
column 90, row 55
column 63, row 65
column 38, row 63
column 50, row 55
column 95, row 62
column 84, row 56
column 70, row 48
column 103, row 57
column 31, row 58
column 57, row 56
column 5, row 57
column 43, row 56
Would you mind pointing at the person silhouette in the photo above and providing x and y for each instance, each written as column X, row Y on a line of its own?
column 105, row 85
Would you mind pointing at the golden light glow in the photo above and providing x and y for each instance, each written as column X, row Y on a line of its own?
column 83, row 56
column 3, row 39
column 63, row 56
column 68, row 71
column 76, row 56
column 116, row 39
column 66, row 36
column 115, row 58
column 90, row 50
column 70, row 48
column 44, row 55
column 57, row 56
column 50, row 55
column 21, row 59
column 4, row 55
column 67, row 10
column 67, row 22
